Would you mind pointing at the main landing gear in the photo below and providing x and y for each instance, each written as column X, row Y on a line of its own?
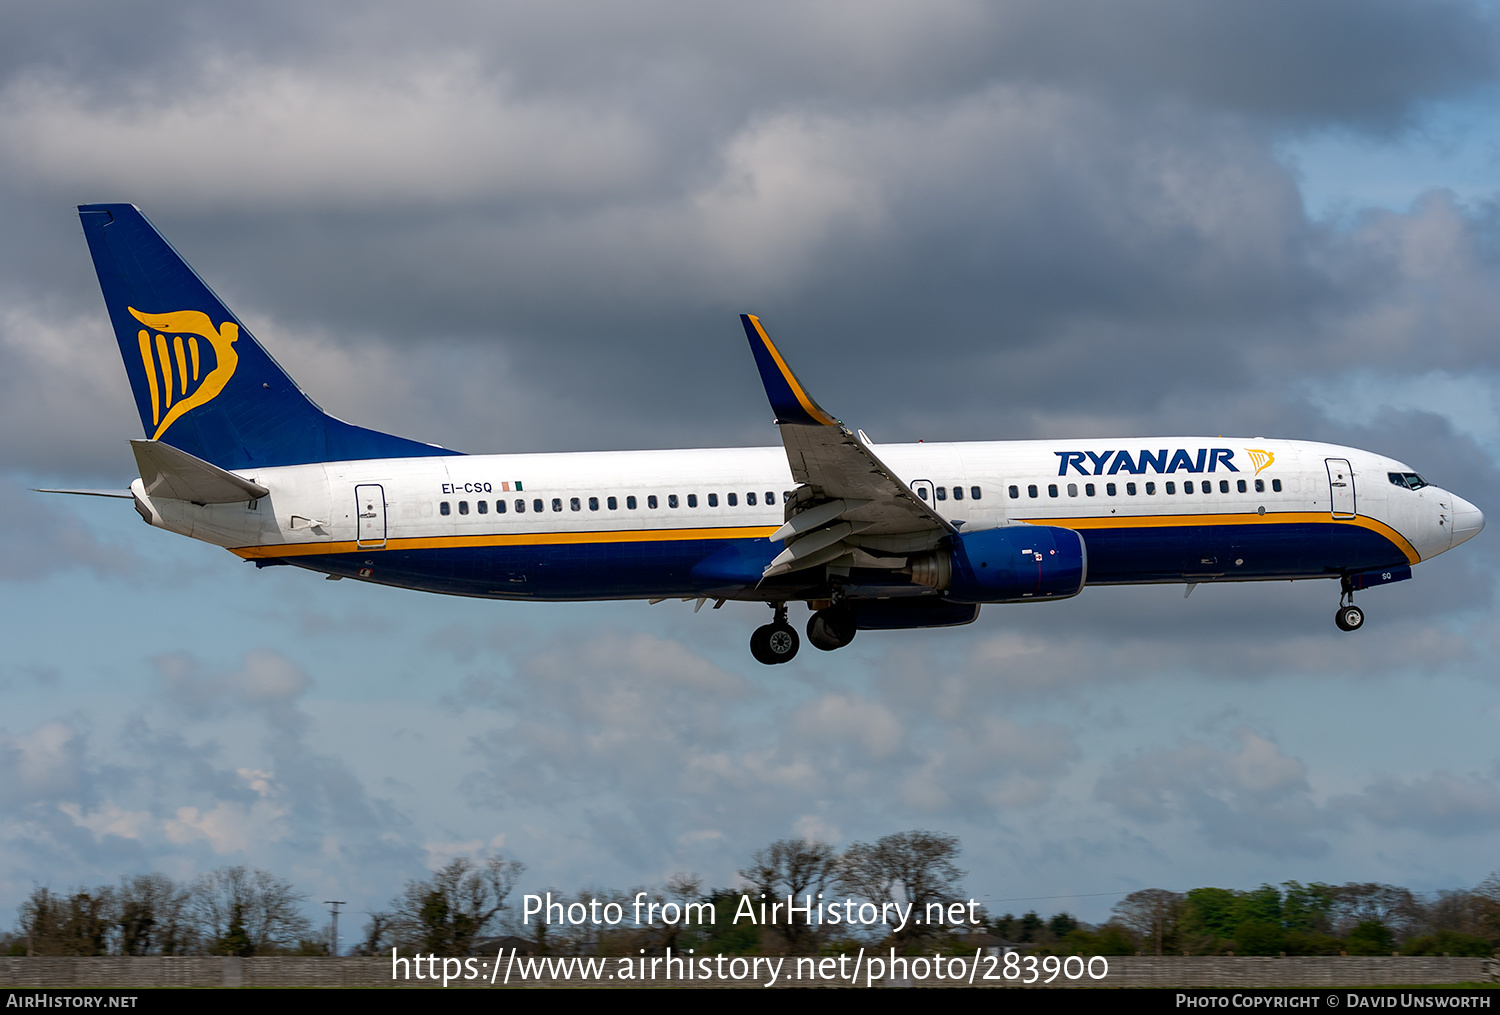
column 776, row 642
column 1349, row 617
column 830, row 628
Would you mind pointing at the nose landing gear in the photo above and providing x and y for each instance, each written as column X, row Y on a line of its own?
column 1349, row 617
column 776, row 642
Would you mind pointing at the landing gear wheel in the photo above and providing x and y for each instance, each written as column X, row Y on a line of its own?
column 1349, row 618
column 831, row 628
column 774, row 643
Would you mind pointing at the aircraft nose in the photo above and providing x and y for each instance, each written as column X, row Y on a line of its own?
column 1467, row 520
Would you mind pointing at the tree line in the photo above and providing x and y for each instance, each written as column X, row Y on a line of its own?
column 468, row 906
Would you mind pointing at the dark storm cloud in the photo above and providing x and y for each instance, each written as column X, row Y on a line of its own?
column 1059, row 196
column 1327, row 59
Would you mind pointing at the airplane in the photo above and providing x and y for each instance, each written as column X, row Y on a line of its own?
column 899, row 536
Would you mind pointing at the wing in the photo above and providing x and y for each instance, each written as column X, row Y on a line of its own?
column 849, row 507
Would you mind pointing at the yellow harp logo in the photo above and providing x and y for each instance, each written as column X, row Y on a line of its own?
column 174, row 369
column 1260, row 459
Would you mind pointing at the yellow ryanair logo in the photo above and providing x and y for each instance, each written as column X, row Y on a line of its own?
column 169, row 364
column 1260, row 459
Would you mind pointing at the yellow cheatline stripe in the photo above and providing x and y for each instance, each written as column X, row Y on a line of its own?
column 786, row 372
column 1270, row 518
column 513, row 539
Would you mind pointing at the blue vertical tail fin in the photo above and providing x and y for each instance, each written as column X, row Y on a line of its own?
column 202, row 382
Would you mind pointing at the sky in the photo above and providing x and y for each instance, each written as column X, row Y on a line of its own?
column 517, row 228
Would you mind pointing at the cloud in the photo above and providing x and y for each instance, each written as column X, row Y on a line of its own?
column 46, row 762
column 1441, row 803
column 1252, row 797
column 267, row 680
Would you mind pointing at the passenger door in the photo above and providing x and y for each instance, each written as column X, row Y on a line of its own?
column 1340, row 487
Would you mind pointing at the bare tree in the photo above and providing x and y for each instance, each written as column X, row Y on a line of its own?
column 907, row 867
column 1152, row 914
column 798, row 868
column 248, row 912
column 444, row 914
column 376, row 932
column 154, row 916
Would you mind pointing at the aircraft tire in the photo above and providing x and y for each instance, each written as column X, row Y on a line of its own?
column 774, row 643
column 831, row 629
column 1349, row 618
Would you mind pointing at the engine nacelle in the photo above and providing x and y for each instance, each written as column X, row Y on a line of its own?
column 1014, row 564
column 907, row 614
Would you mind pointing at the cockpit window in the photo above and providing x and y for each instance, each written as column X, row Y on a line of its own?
column 1410, row 480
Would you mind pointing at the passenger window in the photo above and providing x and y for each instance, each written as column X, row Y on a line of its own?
column 942, row 493
column 973, row 493
column 536, row 505
column 575, row 504
column 1072, row 489
column 713, row 500
column 1240, row 486
column 1051, row 489
column 499, row 507
column 1187, row 487
column 732, row 498
column 520, row 506
column 692, row 500
column 1015, row 493
column 1150, row 489
column 443, row 508
column 1031, row 490
column 671, row 500
column 922, row 492
column 958, row 493
column 1260, row 486
column 463, row 507
column 593, row 503
column 557, row 503
column 1223, row 486
column 750, row 498
column 1109, row 489
column 1276, row 485
column 483, row 507
column 1172, row 488
column 786, row 495
column 1088, row 489
column 629, row 504
column 1130, row 489
column 651, row 502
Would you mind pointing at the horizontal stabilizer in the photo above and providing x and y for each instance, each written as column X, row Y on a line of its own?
column 122, row 494
column 170, row 472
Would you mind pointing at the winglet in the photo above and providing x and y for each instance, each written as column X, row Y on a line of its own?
column 789, row 400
